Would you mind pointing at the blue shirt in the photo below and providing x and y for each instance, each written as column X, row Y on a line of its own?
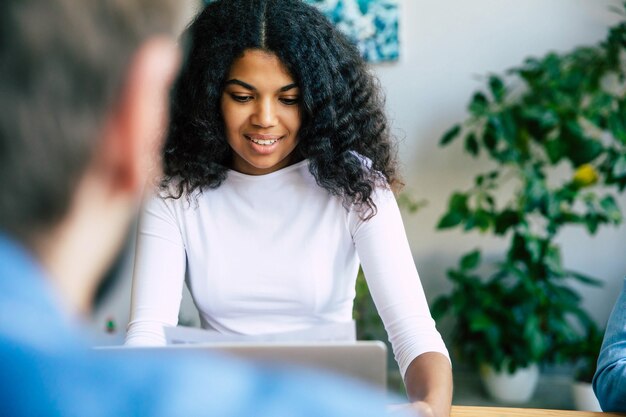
column 609, row 382
column 48, row 369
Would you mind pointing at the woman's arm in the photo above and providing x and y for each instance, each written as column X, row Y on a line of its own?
column 158, row 275
column 428, row 382
column 609, row 382
column 399, row 297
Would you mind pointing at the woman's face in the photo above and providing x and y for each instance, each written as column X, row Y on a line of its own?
column 260, row 107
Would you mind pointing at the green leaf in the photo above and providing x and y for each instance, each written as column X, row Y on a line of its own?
column 490, row 135
column 536, row 192
column 457, row 211
column 611, row 209
column 451, row 219
column 496, row 86
column 592, row 222
column 585, row 150
column 458, row 202
column 505, row 220
column 509, row 127
column 478, row 105
column 491, row 202
column 471, row 144
column 567, row 297
column 518, row 251
column 534, row 248
column 556, row 149
column 618, row 126
column 482, row 219
column 470, row 261
column 440, row 307
column 619, row 167
column 549, row 119
column 450, row 135
column 534, row 336
column 580, row 149
column 539, row 120
column 598, row 110
column 553, row 260
column 586, row 279
column 460, row 278
column 493, row 334
column 552, row 66
column 480, row 322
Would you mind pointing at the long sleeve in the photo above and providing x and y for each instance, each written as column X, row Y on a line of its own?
column 158, row 275
column 609, row 382
column 394, row 282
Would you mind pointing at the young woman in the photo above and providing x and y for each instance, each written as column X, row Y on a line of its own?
column 279, row 179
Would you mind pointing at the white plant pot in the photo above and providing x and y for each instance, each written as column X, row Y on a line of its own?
column 584, row 397
column 515, row 388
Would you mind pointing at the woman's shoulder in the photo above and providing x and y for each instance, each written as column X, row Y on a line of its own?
column 171, row 192
column 164, row 189
column 381, row 188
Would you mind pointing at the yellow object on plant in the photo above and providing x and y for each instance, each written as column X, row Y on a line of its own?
column 585, row 175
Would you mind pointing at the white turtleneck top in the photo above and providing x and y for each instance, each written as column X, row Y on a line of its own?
column 276, row 253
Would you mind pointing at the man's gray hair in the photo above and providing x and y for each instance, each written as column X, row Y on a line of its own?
column 62, row 66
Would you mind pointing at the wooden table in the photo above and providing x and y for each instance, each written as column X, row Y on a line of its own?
column 470, row 411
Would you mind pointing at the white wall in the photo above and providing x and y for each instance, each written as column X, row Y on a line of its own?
column 446, row 46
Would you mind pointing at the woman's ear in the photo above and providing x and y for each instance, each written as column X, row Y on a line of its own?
column 132, row 140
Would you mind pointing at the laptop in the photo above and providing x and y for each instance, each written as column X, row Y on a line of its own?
column 363, row 360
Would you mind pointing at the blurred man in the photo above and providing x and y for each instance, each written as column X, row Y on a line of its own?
column 609, row 382
column 83, row 91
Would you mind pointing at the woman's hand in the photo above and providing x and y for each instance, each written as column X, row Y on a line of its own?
column 417, row 409
column 423, row 409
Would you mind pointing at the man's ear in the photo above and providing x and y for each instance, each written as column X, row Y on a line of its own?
column 136, row 125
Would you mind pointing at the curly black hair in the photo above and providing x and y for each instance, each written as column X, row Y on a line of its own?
column 344, row 132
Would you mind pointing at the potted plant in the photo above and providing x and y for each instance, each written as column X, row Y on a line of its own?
column 584, row 352
column 554, row 132
column 496, row 329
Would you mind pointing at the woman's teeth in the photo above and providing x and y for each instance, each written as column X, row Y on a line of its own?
column 264, row 142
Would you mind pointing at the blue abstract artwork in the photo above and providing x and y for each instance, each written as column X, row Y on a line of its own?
column 371, row 24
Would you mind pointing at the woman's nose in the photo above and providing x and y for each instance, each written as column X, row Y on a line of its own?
column 265, row 114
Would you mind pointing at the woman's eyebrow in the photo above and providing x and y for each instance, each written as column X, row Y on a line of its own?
column 288, row 87
column 253, row 88
column 241, row 83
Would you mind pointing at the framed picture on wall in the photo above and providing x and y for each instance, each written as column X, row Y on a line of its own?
column 371, row 24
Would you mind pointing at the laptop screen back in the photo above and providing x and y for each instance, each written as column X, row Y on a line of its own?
column 363, row 360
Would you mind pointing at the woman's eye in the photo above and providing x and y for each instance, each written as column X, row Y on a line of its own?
column 290, row 101
column 241, row 98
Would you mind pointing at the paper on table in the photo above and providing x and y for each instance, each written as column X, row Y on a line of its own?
column 331, row 332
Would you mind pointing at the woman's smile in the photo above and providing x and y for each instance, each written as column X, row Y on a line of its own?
column 264, row 140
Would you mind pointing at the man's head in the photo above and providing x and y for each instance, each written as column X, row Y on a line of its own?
column 83, row 91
